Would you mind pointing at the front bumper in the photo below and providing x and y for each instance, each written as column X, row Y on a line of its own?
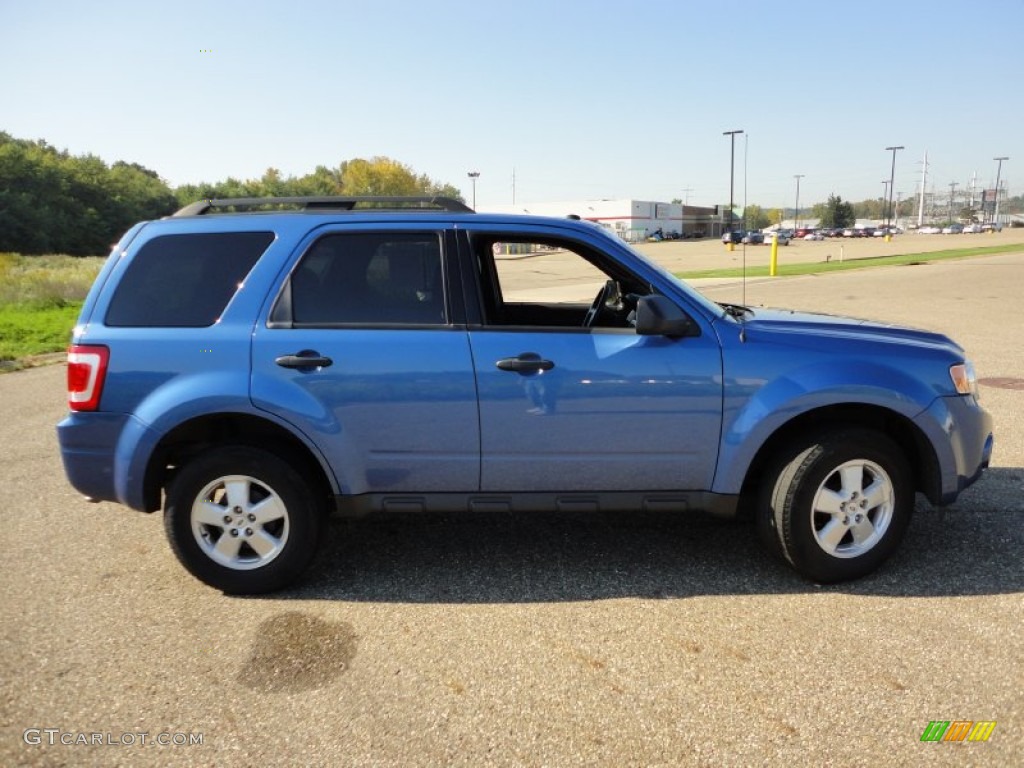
column 966, row 449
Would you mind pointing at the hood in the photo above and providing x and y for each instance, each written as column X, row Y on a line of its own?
column 821, row 327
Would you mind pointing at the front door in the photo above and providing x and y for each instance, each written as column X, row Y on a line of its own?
column 571, row 398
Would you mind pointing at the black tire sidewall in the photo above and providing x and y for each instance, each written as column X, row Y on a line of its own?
column 799, row 481
column 304, row 518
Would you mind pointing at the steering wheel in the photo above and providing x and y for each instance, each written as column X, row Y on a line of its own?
column 601, row 301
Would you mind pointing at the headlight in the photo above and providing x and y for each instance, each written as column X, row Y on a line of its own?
column 964, row 380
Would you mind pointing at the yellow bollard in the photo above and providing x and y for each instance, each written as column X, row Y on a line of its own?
column 888, row 238
column 773, row 265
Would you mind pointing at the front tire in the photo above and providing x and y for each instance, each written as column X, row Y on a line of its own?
column 837, row 506
column 242, row 520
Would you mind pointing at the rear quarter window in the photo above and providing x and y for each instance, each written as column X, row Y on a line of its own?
column 185, row 281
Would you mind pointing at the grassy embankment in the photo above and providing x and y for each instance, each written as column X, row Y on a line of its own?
column 822, row 267
column 40, row 297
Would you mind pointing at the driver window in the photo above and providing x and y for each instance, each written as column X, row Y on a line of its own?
column 549, row 283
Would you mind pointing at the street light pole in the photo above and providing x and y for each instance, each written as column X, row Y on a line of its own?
column 995, row 219
column 732, row 169
column 796, row 209
column 885, row 201
column 892, row 178
column 473, row 176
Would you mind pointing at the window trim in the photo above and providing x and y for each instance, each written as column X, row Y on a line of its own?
column 280, row 314
column 474, row 283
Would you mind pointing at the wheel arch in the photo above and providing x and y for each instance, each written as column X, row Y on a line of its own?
column 192, row 437
column 920, row 454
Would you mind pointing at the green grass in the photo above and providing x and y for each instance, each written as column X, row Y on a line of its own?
column 40, row 297
column 815, row 268
column 27, row 330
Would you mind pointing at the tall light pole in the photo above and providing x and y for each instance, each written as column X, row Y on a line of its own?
column 995, row 219
column 473, row 176
column 732, row 169
column 892, row 177
column 796, row 209
column 885, row 199
column 952, row 188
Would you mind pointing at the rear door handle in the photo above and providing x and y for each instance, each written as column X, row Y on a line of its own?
column 307, row 358
column 527, row 362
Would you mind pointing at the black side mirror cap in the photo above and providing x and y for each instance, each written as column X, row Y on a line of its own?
column 660, row 316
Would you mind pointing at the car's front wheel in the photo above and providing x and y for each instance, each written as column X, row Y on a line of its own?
column 837, row 506
column 242, row 520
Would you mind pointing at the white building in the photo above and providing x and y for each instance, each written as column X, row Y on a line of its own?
column 632, row 220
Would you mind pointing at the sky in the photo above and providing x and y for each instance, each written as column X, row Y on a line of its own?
column 570, row 99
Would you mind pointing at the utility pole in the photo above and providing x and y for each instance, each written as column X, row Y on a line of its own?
column 686, row 193
column 732, row 169
column 885, row 198
column 924, row 182
column 473, row 176
column 892, row 176
column 999, row 172
column 796, row 212
column 952, row 188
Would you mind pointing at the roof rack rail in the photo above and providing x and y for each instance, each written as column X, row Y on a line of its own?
column 427, row 203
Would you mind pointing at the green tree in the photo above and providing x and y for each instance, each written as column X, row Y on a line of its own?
column 756, row 217
column 53, row 202
column 837, row 213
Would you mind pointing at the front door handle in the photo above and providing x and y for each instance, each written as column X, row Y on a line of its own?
column 527, row 362
column 307, row 358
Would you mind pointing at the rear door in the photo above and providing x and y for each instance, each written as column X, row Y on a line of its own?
column 363, row 351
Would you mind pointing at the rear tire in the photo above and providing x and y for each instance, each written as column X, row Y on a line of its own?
column 242, row 520
column 836, row 506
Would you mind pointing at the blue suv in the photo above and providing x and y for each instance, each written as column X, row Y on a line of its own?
column 250, row 366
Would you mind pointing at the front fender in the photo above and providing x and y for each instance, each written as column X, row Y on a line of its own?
column 752, row 413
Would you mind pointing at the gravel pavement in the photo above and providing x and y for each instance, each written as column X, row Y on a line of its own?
column 544, row 640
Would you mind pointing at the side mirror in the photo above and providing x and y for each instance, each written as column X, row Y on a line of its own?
column 659, row 316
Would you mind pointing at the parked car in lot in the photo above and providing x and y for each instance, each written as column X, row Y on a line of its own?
column 814, row 236
column 991, row 227
column 735, row 237
column 250, row 372
column 753, row 238
column 780, row 236
column 929, row 230
column 972, row 229
column 953, row 229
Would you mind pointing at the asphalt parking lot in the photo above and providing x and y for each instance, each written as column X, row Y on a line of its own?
column 541, row 641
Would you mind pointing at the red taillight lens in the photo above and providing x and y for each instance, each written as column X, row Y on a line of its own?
column 87, row 368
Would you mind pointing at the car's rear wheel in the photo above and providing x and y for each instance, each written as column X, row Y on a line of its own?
column 242, row 520
column 837, row 506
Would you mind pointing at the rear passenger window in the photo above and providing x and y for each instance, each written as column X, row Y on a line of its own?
column 369, row 279
column 185, row 281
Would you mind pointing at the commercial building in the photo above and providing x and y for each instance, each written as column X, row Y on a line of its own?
column 632, row 220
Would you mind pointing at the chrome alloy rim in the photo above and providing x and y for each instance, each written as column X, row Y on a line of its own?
column 240, row 522
column 852, row 509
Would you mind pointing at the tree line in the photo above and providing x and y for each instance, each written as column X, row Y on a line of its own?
column 54, row 202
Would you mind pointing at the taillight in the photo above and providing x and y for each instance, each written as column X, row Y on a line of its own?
column 87, row 368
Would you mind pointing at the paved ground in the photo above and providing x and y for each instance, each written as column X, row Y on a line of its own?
column 680, row 255
column 548, row 640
